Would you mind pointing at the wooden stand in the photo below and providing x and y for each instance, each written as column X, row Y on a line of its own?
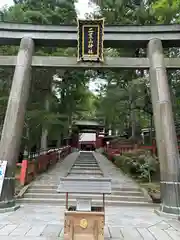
column 84, row 224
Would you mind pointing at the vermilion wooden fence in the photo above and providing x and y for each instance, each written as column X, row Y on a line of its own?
column 119, row 149
column 30, row 168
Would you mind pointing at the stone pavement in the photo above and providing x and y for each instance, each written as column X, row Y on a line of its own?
column 124, row 190
column 108, row 169
column 111, row 171
column 45, row 222
column 60, row 170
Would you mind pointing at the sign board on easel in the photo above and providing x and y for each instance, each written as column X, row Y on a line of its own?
column 3, row 165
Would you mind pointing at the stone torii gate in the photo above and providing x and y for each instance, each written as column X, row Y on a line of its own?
column 152, row 37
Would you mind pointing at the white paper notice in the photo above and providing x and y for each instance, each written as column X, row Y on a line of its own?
column 83, row 204
column 3, row 165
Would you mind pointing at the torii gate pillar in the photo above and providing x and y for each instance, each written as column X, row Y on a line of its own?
column 165, row 130
column 14, row 120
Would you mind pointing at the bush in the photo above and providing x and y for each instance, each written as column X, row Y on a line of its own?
column 138, row 163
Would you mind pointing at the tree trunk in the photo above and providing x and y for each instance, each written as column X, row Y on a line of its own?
column 44, row 136
column 133, row 114
column 59, row 142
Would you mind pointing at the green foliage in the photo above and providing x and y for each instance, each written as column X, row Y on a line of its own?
column 123, row 98
column 41, row 12
column 68, row 97
column 166, row 11
column 129, row 91
column 139, row 163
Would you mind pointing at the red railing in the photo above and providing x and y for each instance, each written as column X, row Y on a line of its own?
column 120, row 149
column 30, row 168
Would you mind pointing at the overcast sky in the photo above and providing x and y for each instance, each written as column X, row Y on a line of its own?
column 82, row 5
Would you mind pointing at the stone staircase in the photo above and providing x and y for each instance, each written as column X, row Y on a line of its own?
column 124, row 191
column 46, row 194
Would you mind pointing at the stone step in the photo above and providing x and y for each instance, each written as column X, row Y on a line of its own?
column 85, row 175
column 120, row 193
column 81, row 175
column 44, row 186
column 86, row 161
column 126, row 188
column 85, row 165
column 114, row 188
column 86, row 168
column 89, row 172
column 61, row 196
column 57, row 202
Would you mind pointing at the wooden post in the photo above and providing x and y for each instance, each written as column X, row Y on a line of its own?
column 165, row 130
column 154, row 146
column 14, row 119
column 24, row 171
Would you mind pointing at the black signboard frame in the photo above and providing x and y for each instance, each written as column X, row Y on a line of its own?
column 90, row 40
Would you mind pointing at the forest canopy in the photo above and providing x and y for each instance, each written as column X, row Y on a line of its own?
column 58, row 97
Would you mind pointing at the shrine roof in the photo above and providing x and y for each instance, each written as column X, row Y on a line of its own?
column 88, row 124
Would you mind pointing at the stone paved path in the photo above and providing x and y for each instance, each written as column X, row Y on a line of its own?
column 60, row 170
column 110, row 170
column 44, row 222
